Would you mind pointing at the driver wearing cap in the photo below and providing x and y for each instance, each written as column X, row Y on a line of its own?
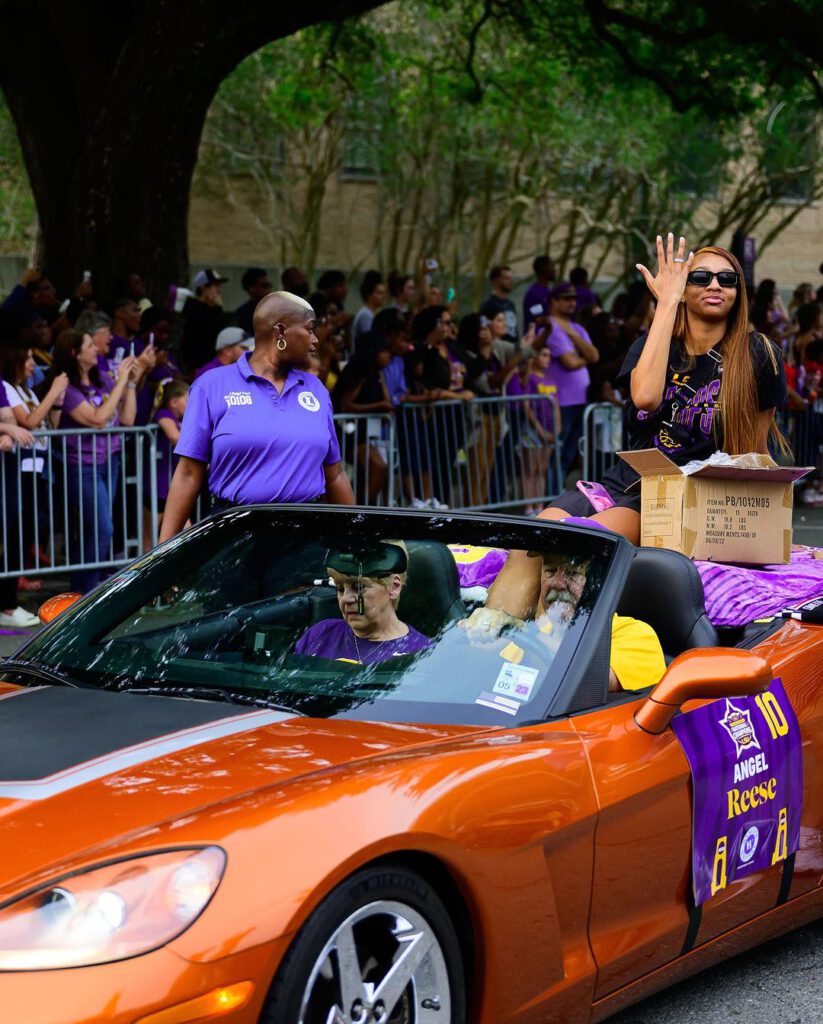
column 369, row 584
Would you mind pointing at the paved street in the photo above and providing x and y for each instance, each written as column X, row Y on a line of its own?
column 779, row 983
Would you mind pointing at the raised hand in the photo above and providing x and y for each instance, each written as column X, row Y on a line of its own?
column 59, row 385
column 672, row 270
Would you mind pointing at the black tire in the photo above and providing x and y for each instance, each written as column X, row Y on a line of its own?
column 372, row 887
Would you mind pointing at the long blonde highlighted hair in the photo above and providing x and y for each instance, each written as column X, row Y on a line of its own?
column 738, row 390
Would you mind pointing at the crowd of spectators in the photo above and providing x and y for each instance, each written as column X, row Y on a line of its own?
column 403, row 352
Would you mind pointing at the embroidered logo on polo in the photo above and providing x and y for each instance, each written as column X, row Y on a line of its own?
column 309, row 401
column 237, row 398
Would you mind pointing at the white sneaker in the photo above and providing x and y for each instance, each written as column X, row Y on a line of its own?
column 437, row 505
column 19, row 618
column 418, row 503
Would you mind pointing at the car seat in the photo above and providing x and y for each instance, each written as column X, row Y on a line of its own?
column 431, row 596
column 664, row 589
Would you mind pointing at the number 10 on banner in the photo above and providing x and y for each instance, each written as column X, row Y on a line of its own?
column 773, row 714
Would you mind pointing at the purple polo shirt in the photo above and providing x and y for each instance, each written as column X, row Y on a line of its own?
column 571, row 385
column 212, row 364
column 260, row 446
column 3, row 398
column 333, row 638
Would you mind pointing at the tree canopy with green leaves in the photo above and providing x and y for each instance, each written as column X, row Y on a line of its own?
column 477, row 120
column 483, row 143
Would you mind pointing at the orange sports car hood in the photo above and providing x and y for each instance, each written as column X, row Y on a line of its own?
column 83, row 769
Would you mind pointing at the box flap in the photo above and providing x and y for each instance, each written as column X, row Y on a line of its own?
column 780, row 474
column 650, row 462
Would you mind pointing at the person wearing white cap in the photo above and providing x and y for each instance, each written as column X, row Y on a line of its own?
column 231, row 343
column 204, row 318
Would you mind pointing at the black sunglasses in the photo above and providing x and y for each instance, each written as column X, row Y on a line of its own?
column 725, row 278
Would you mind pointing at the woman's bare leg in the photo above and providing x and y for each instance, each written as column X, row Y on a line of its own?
column 554, row 513
column 621, row 520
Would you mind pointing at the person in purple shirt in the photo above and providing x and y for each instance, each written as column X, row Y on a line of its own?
column 92, row 470
column 572, row 352
column 97, row 324
column 369, row 584
column 261, row 429
column 537, row 294
column 231, row 343
column 579, row 277
column 169, row 409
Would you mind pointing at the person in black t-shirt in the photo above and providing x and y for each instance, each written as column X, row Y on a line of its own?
column 498, row 301
column 699, row 381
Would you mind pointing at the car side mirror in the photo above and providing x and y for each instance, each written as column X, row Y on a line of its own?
column 705, row 674
column 50, row 609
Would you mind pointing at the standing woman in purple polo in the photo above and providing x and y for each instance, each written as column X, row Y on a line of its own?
column 260, row 429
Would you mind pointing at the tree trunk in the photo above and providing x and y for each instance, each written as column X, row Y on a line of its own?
column 109, row 101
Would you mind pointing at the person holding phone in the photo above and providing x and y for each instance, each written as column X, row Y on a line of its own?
column 91, row 401
column 700, row 381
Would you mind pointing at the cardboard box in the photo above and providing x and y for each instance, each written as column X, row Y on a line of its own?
column 719, row 513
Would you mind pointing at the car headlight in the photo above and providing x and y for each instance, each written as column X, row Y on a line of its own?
column 110, row 912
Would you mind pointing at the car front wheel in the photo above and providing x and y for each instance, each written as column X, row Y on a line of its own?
column 380, row 949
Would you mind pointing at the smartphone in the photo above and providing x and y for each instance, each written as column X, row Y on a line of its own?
column 432, row 264
column 450, row 295
column 599, row 497
column 131, row 348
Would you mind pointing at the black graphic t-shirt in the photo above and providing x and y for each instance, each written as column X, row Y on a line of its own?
column 688, row 422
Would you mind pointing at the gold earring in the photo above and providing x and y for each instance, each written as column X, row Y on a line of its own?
column 282, row 344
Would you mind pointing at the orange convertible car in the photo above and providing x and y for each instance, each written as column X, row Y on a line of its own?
column 270, row 774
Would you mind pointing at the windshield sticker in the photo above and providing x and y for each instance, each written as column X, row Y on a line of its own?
column 746, row 764
column 497, row 703
column 516, row 681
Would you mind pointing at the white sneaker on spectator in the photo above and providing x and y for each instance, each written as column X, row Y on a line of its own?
column 436, row 504
column 418, row 503
column 19, row 618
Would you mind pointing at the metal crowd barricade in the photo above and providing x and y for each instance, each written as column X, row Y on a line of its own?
column 367, row 449
column 803, row 429
column 602, row 439
column 481, row 454
column 53, row 520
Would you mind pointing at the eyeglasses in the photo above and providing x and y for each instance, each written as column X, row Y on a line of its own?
column 702, row 278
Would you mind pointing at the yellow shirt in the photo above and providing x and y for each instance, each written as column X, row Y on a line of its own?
column 636, row 655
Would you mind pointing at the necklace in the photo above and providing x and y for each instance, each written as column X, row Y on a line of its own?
column 376, row 648
column 378, row 644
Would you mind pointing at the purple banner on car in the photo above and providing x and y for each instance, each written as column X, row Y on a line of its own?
column 747, row 781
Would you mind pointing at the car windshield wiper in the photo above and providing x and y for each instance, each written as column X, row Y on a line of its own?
column 205, row 693
column 44, row 673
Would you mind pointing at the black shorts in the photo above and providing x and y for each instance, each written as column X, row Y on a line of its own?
column 577, row 504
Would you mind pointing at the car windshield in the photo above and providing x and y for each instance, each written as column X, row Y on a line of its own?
column 373, row 616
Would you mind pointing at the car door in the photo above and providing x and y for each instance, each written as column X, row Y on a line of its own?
column 643, row 915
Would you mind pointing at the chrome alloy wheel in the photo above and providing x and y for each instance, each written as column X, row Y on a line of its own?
column 383, row 965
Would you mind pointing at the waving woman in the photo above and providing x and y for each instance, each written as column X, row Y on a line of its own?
column 699, row 381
